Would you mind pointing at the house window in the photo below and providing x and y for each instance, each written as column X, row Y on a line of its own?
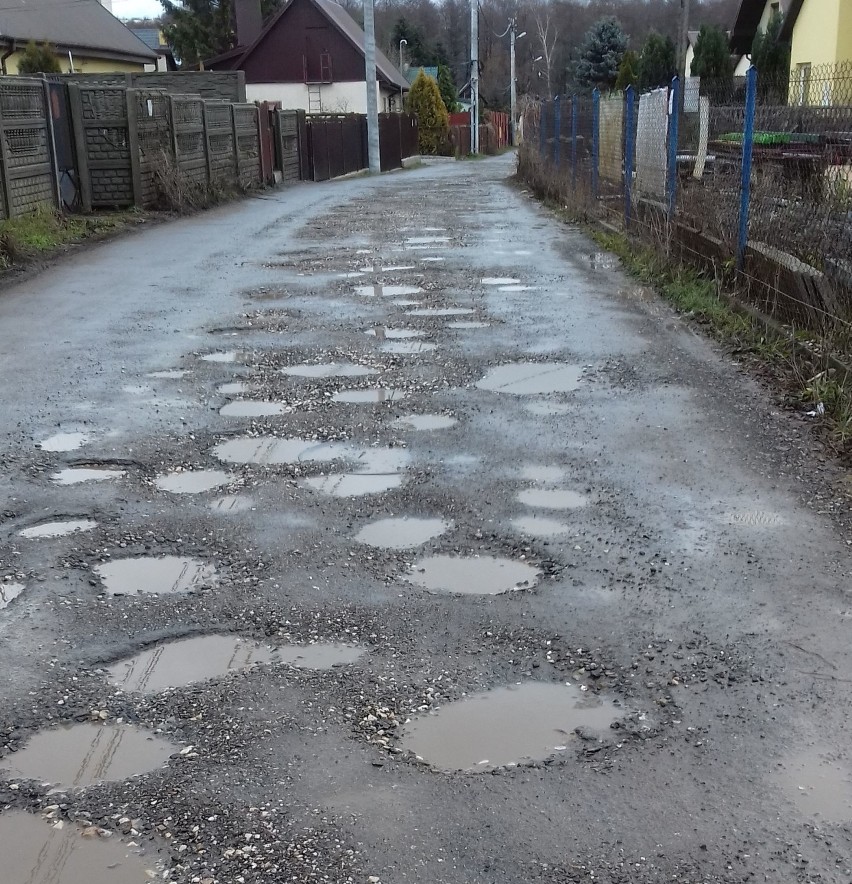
column 803, row 82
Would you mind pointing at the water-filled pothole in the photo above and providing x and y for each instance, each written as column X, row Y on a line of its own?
column 234, row 388
column 252, row 408
column 500, row 280
column 76, row 475
column 165, row 575
column 272, row 450
column 393, row 268
column 473, row 323
column 382, row 333
column 426, row 422
column 755, row 519
column 35, row 851
column 369, row 395
column 328, row 370
column 387, row 291
column 407, row 347
column 401, row 533
column 322, row 655
column 83, row 754
column 9, row 591
column 192, row 481
column 186, row 661
column 425, row 240
column 169, row 374
column 543, row 474
column 59, row 528
column 405, row 302
column 441, row 311
column 354, row 484
column 472, row 575
column 518, row 288
column 545, row 408
column 819, row 783
column 539, row 526
column 531, row 721
column 225, row 356
column 63, row 442
column 532, row 377
column 552, row 498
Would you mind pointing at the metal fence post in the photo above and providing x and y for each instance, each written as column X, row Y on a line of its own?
column 542, row 129
column 596, row 131
column 557, row 129
column 745, row 181
column 574, row 142
column 629, row 142
column 671, row 169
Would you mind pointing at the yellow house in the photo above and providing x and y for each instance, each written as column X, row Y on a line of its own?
column 86, row 36
column 752, row 16
column 820, row 35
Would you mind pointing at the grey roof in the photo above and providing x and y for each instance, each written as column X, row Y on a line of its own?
column 152, row 38
column 71, row 24
column 412, row 73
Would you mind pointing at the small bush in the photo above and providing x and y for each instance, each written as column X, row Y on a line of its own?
column 425, row 102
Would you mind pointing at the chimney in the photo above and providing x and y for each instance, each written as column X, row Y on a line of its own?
column 249, row 21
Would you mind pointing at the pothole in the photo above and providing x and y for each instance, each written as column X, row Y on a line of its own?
column 387, row 291
column 165, row 575
column 234, row 388
column 755, row 519
column 168, row 374
column 405, row 302
column 442, row 311
column 225, row 356
column 232, row 503
column 369, row 395
column 543, row 408
column 539, row 526
column 425, row 240
column 432, row 259
column 382, row 333
column 252, row 408
column 271, row 450
column 473, row 323
column 192, row 481
column 542, row 474
column 518, row 288
column 407, row 347
column 9, row 591
column 63, row 442
column 319, row 656
column 184, row 662
column 395, row 268
column 527, row 722
column 524, row 378
column 499, row 280
column 401, row 533
column 426, row 422
column 36, row 851
column 552, row 498
column 354, row 484
column 472, row 575
column 82, row 754
column 77, row 475
column 59, row 528
column 819, row 784
column 328, row 370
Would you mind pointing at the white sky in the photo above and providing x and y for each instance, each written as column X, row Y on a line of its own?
column 136, row 8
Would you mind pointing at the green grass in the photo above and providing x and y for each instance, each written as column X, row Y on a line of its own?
column 32, row 236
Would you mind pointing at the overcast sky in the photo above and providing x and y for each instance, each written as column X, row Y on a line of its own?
column 136, row 8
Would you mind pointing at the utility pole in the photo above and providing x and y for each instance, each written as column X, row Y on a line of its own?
column 474, row 76
column 683, row 50
column 513, row 86
column 374, row 158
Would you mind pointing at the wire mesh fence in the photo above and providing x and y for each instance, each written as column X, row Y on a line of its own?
column 752, row 176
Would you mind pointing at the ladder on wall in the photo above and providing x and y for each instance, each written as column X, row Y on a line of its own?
column 314, row 98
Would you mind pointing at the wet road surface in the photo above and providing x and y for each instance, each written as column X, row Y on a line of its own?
column 505, row 574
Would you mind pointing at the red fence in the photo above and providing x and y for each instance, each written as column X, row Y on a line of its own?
column 493, row 132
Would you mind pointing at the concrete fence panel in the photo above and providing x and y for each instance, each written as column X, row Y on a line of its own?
column 221, row 152
column 190, row 138
column 247, row 139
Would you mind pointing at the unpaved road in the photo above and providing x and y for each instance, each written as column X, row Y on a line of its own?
column 679, row 562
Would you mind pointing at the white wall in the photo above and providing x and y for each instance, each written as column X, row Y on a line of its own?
column 336, row 98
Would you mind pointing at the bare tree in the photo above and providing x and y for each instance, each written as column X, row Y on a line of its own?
column 547, row 34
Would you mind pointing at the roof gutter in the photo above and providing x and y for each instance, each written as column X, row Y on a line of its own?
column 12, row 47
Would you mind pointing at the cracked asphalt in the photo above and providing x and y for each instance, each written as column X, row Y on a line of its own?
column 685, row 543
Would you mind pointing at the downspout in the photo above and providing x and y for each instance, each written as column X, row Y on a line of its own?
column 12, row 47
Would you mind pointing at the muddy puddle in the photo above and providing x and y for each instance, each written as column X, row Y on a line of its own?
column 187, row 661
column 407, row 347
column 442, row 311
column 77, row 475
column 530, row 721
column 354, row 484
column 40, row 851
column 168, row 374
column 9, row 591
column 82, row 754
column 369, row 395
column 539, row 526
column 499, row 280
column 328, row 370
column 232, row 503
column 552, row 498
column 319, row 656
column 526, row 378
column 272, row 450
column 473, row 323
column 401, row 533
column 382, row 333
column 164, row 576
column 252, row 408
column 426, row 422
column 59, row 528
column 818, row 783
column 192, row 481
column 63, row 442
column 472, row 575
column 235, row 388
column 386, row 291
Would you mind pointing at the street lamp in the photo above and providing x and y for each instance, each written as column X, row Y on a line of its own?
column 402, row 42
column 513, row 91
